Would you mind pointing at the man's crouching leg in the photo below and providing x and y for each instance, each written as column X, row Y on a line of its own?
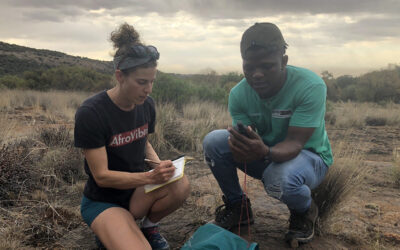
column 219, row 158
column 291, row 182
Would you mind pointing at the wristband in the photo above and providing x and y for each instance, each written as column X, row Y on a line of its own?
column 267, row 158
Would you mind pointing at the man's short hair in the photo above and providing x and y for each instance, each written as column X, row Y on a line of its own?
column 265, row 35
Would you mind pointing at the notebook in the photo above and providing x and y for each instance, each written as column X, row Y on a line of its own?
column 179, row 171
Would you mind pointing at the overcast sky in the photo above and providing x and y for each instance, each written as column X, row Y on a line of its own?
column 193, row 36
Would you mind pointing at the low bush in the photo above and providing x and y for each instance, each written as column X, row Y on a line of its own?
column 375, row 121
column 64, row 163
column 17, row 173
column 55, row 136
column 330, row 118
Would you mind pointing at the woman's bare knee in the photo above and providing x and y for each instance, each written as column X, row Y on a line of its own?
column 181, row 189
column 165, row 198
column 117, row 229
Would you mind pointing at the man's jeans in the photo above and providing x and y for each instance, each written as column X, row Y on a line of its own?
column 291, row 182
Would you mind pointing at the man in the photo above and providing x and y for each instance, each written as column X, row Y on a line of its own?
column 286, row 146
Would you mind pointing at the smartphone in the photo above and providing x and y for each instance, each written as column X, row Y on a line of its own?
column 241, row 129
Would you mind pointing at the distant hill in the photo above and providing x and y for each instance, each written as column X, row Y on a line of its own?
column 27, row 68
column 15, row 59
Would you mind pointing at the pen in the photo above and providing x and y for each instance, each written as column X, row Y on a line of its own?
column 154, row 162
column 151, row 161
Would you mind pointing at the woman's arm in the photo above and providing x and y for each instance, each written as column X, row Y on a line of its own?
column 151, row 154
column 97, row 161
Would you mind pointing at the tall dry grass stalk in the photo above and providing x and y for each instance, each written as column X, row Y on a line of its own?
column 167, row 128
column 344, row 176
column 184, row 130
column 200, row 118
column 396, row 167
column 6, row 127
column 10, row 233
column 357, row 115
column 216, row 113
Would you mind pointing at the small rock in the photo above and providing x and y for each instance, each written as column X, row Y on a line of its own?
column 372, row 206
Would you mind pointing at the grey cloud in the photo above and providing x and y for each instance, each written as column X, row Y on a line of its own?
column 59, row 4
column 365, row 29
column 52, row 15
column 224, row 9
column 384, row 20
column 42, row 16
column 235, row 23
column 374, row 28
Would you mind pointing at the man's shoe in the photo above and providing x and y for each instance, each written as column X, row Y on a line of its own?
column 228, row 215
column 156, row 240
column 301, row 227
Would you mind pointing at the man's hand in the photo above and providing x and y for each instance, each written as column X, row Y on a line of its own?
column 162, row 172
column 246, row 149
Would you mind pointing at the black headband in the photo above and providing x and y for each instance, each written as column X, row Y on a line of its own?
column 137, row 55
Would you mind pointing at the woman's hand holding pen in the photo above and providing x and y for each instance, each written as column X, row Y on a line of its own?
column 162, row 171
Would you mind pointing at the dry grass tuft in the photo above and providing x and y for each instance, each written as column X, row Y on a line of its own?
column 53, row 104
column 17, row 176
column 37, row 224
column 11, row 233
column 167, row 131
column 375, row 121
column 32, row 180
column 6, row 127
column 344, row 177
column 330, row 118
column 63, row 163
column 200, row 118
column 55, row 137
column 184, row 130
column 215, row 113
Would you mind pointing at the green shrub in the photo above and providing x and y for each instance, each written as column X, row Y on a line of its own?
column 12, row 82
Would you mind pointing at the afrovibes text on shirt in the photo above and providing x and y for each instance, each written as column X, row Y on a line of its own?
column 124, row 138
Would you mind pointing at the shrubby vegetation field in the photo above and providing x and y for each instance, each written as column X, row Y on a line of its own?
column 41, row 174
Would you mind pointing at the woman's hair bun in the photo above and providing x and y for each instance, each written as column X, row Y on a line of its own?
column 124, row 36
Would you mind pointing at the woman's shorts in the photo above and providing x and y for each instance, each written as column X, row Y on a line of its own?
column 90, row 209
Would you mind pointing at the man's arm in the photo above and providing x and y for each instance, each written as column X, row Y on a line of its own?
column 294, row 142
column 252, row 148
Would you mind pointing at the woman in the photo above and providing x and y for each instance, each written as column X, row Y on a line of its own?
column 112, row 127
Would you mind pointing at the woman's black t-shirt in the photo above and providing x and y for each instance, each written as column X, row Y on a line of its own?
column 99, row 122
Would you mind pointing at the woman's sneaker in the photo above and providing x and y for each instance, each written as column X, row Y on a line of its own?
column 156, row 240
